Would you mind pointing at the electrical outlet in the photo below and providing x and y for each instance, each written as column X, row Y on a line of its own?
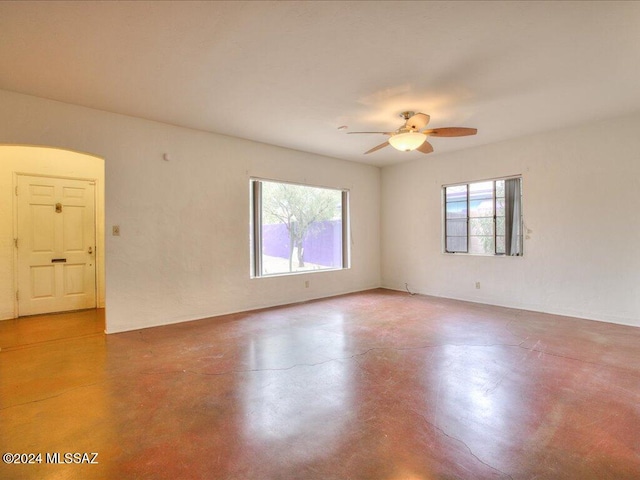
column 306, row 284
column 115, row 230
column 478, row 285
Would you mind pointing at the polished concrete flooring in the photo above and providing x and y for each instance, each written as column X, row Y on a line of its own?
column 375, row 385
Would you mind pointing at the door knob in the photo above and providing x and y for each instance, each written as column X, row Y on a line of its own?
column 90, row 250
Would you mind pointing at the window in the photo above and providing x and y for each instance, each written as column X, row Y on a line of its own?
column 298, row 228
column 484, row 218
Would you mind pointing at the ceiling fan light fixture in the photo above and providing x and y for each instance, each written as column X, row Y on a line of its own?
column 407, row 141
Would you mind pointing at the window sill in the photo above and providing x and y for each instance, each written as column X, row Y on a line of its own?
column 462, row 254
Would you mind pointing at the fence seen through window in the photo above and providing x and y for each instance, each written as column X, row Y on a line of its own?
column 484, row 218
column 297, row 228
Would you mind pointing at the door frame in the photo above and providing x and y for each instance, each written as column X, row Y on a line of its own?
column 99, row 271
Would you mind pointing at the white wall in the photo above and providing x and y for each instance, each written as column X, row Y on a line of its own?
column 51, row 162
column 581, row 199
column 183, row 252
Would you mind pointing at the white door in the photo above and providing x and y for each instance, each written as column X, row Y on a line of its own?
column 56, row 245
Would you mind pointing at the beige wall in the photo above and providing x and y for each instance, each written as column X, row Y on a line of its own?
column 183, row 252
column 581, row 202
column 16, row 160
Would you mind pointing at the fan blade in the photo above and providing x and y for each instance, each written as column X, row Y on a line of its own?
column 383, row 133
column 418, row 121
column 375, row 149
column 451, row 132
column 426, row 147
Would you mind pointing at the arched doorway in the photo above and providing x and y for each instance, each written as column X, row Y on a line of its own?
column 46, row 194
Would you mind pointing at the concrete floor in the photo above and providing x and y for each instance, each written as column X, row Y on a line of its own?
column 376, row 385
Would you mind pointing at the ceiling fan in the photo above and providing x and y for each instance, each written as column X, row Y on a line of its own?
column 411, row 135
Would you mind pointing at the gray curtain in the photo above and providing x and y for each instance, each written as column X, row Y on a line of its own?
column 512, row 216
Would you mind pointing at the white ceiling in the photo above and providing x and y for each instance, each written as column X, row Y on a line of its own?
column 291, row 73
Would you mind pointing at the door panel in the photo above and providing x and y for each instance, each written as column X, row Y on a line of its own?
column 72, row 229
column 43, row 237
column 43, row 281
column 56, row 245
column 73, row 279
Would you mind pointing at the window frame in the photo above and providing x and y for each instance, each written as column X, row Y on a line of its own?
column 467, row 184
column 256, row 223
